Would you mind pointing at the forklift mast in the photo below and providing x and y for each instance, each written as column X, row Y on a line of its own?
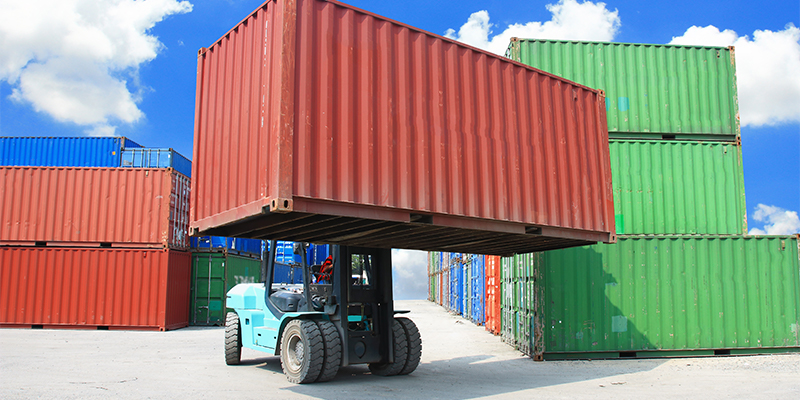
column 358, row 300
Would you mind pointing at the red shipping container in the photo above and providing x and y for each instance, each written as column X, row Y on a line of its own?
column 117, row 207
column 91, row 288
column 319, row 122
column 493, row 296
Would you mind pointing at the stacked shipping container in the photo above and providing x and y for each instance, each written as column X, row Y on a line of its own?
column 683, row 277
column 493, row 294
column 86, row 243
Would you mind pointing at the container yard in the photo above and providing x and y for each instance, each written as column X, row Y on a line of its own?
column 460, row 361
column 581, row 205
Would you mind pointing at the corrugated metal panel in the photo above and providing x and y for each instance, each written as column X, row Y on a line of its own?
column 63, row 151
column 673, row 293
column 678, row 187
column 117, row 206
column 445, row 284
column 663, row 89
column 156, row 158
column 519, row 275
column 456, row 283
column 213, row 274
column 319, row 122
column 85, row 287
column 477, row 307
column 493, row 294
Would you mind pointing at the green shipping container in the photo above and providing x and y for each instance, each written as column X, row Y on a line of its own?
column 652, row 91
column 518, row 301
column 678, row 187
column 214, row 272
column 678, row 293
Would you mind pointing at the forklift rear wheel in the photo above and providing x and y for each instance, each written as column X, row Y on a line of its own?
column 233, row 339
column 302, row 351
column 333, row 350
column 414, row 345
column 400, row 353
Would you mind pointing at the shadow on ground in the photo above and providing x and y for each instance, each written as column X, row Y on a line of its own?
column 461, row 377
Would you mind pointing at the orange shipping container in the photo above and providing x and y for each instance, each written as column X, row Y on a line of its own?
column 91, row 287
column 493, row 294
column 319, row 122
column 94, row 207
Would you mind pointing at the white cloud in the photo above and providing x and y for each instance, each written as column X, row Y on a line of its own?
column 767, row 70
column 410, row 274
column 101, row 130
column 777, row 221
column 571, row 21
column 72, row 59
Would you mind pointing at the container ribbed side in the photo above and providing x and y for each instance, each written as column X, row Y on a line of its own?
column 80, row 287
column 678, row 187
column 673, row 293
column 667, row 89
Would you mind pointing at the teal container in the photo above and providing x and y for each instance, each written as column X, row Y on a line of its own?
column 214, row 272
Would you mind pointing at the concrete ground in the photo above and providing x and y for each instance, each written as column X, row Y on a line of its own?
column 459, row 360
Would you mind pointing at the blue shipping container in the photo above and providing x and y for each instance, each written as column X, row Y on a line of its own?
column 285, row 273
column 63, row 151
column 285, row 259
column 478, row 286
column 465, row 285
column 244, row 245
column 156, row 158
column 456, row 283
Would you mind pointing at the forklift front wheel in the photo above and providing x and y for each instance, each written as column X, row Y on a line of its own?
column 400, row 343
column 302, row 351
column 233, row 339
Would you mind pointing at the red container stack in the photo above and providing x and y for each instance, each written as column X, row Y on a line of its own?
column 99, row 248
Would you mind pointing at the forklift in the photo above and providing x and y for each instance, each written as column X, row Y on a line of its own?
column 340, row 314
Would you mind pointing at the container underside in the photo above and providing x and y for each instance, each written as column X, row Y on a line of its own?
column 427, row 236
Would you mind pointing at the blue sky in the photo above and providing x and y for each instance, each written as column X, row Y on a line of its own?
column 95, row 44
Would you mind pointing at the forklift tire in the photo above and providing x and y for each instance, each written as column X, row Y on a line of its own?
column 333, row 350
column 302, row 351
column 400, row 353
column 233, row 339
column 414, row 345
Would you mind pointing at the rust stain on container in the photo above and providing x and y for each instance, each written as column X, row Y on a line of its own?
column 113, row 207
column 89, row 288
column 316, row 121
